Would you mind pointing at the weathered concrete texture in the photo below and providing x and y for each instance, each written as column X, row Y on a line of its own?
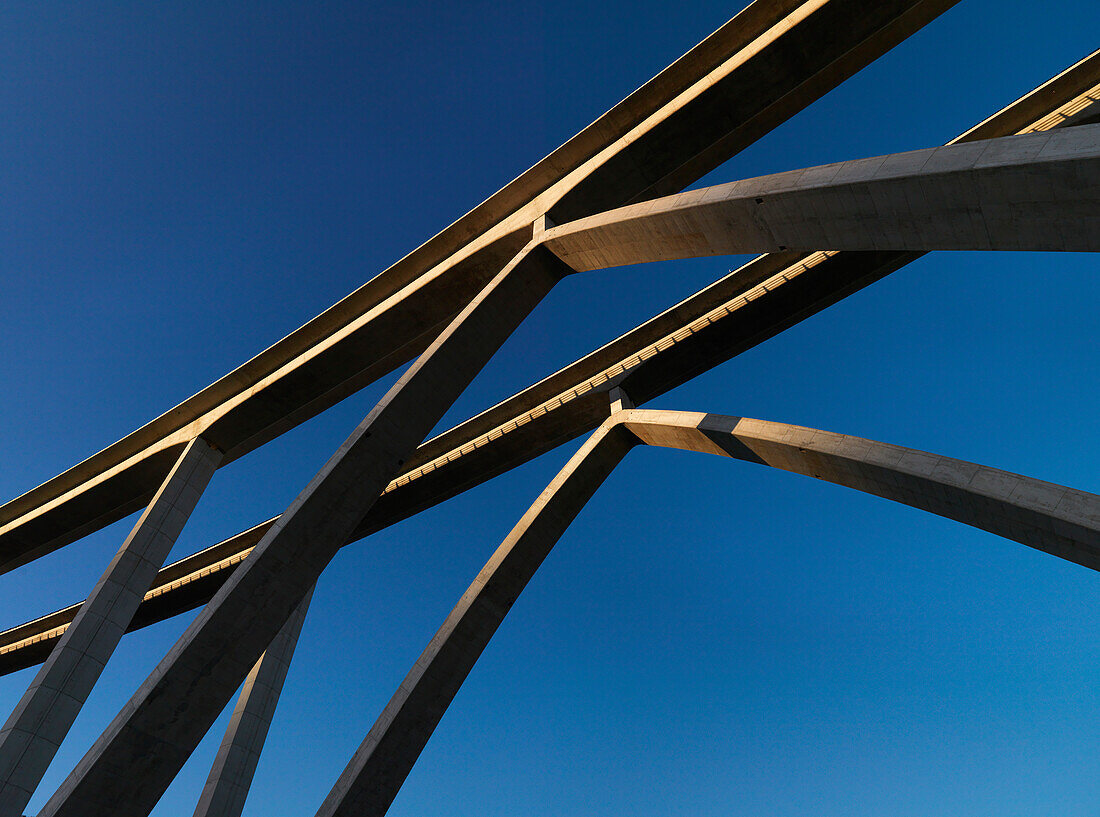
column 129, row 767
column 763, row 66
column 34, row 731
column 1031, row 192
column 386, row 756
column 1057, row 520
column 234, row 765
column 1049, row 517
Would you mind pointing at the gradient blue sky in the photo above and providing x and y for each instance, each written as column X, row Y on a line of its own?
column 182, row 184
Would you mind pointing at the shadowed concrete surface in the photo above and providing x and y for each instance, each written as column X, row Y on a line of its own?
column 1052, row 518
column 238, row 754
column 766, row 64
column 141, row 751
column 36, row 727
column 1032, row 192
column 735, row 313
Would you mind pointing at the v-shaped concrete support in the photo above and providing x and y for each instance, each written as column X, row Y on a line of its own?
column 128, row 768
column 1049, row 517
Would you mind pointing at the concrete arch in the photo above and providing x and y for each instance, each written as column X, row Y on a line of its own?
column 1052, row 518
column 1028, row 192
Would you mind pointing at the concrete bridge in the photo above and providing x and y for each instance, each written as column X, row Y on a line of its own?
column 1022, row 179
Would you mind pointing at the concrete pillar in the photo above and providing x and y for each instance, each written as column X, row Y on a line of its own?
column 620, row 400
column 231, row 774
column 137, row 756
column 41, row 719
column 373, row 777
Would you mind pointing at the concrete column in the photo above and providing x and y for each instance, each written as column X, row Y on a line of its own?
column 137, row 756
column 373, row 777
column 41, row 719
column 231, row 774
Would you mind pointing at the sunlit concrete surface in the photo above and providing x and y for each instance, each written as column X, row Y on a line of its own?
column 234, row 765
column 452, row 303
column 127, row 770
column 735, row 313
column 37, row 726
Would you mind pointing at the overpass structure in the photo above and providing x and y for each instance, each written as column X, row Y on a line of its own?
column 1022, row 179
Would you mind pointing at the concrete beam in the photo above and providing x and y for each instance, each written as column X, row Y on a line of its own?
column 1049, row 517
column 1052, row 518
column 234, row 765
column 135, row 759
column 1030, row 192
column 763, row 66
column 33, row 733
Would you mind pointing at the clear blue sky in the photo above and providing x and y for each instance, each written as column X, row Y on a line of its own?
column 184, row 183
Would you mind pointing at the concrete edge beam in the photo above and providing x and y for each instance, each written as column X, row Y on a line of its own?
column 138, row 755
column 343, row 349
column 1059, row 102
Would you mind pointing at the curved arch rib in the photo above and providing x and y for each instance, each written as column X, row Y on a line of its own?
column 1052, row 518
column 1030, row 192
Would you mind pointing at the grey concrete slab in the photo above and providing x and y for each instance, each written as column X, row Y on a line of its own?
column 234, row 766
column 129, row 767
column 36, row 727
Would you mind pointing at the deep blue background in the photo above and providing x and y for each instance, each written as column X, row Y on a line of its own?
column 182, row 184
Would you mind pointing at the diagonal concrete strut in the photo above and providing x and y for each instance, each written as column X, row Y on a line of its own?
column 706, row 329
column 43, row 716
column 770, row 61
column 384, row 759
column 234, row 765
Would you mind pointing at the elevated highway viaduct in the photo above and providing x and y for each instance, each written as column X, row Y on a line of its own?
column 755, row 72
column 737, row 312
